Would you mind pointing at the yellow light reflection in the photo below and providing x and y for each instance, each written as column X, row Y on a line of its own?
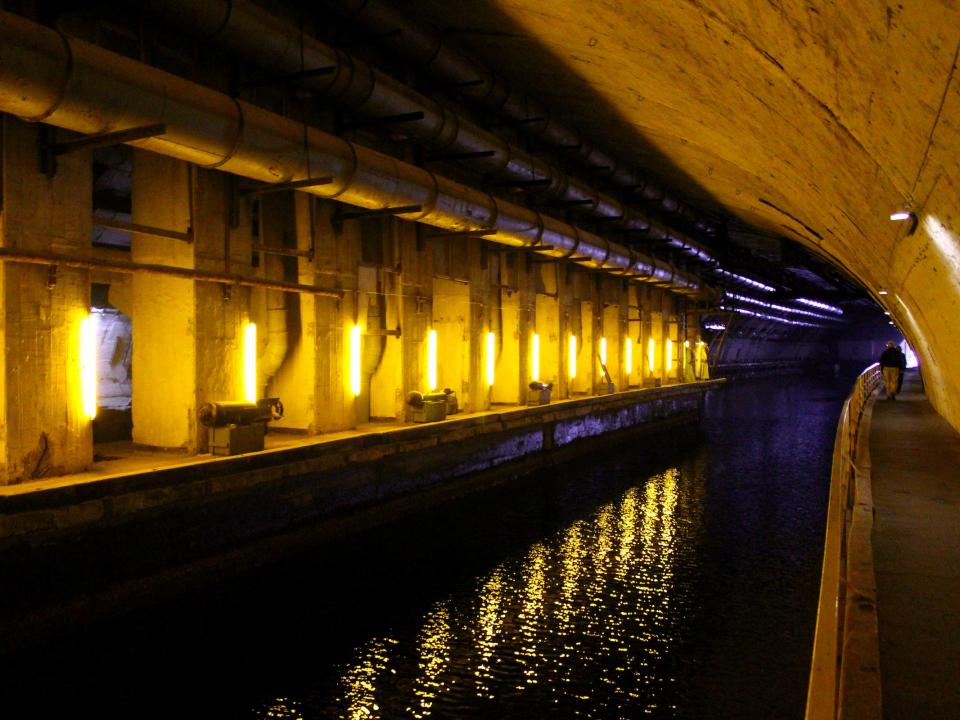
column 432, row 360
column 434, row 644
column 628, row 356
column 250, row 362
column 669, row 358
column 652, row 355
column 88, row 366
column 360, row 680
column 572, row 357
column 532, row 614
column 491, row 356
column 535, row 358
column 603, row 351
column 355, row 341
column 490, row 625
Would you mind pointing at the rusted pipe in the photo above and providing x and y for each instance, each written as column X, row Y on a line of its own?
column 283, row 49
column 33, row 257
column 478, row 84
column 45, row 76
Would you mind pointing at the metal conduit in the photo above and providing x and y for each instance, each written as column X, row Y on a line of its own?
column 283, row 49
column 45, row 76
column 480, row 85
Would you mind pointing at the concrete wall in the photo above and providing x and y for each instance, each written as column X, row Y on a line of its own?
column 44, row 430
column 396, row 281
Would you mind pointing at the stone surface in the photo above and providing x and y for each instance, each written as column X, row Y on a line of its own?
column 916, row 483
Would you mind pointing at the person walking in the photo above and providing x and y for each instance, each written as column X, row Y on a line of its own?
column 892, row 364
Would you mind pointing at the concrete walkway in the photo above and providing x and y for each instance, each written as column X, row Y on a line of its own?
column 915, row 457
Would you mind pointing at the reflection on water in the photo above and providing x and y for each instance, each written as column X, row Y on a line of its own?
column 655, row 580
column 579, row 624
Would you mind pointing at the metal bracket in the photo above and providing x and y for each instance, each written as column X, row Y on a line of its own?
column 511, row 123
column 288, row 79
column 279, row 187
column 50, row 149
column 521, row 183
column 566, row 203
column 143, row 229
column 340, row 216
column 461, row 156
column 384, row 120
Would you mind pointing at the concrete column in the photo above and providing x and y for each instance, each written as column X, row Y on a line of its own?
column 220, row 309
column 43, row 430
column 337, row 259
column 296, row 381
column 164, row 309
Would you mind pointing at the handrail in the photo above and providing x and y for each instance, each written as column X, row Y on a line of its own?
column 847, row 576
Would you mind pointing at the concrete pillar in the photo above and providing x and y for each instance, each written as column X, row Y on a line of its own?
column 296, row 381
column 164, row 309
column 43, row 429
column 220, row 309
column 337, row 259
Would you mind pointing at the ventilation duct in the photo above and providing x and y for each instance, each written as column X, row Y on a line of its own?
column 47, row 77
column 282, row 49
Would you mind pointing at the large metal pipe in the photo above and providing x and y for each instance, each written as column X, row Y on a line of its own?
column 283, row 49
column 477, row 83
column 48, row 77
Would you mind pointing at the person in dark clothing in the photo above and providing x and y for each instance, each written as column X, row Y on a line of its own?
column 892, row 364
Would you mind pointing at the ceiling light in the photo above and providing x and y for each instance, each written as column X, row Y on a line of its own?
column 881, row 292
column 902, row 215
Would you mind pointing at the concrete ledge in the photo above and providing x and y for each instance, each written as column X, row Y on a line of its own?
column 83, row 537
column 860, row 694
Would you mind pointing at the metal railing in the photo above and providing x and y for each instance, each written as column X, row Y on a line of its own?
column 844, row 673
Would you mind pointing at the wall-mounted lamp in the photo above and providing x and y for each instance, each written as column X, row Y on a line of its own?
column 250, row 362
column 572, row 357
column 902, row 215
column 355, row 349
column 491, row 357
column 881, row 292
column 432, row 360
column 535, row 358
column 88, row 366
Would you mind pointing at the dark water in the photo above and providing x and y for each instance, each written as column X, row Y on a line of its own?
column 671, row 579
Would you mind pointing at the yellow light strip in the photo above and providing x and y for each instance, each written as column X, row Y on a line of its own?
column 535, row 358
column 250, row 362
column 491, row 358
column 572, row 357
column 432, row 360
column 652, row 355
column 628, row 356
column 355, row 340
column 88, row 366
column 603, row 351
column 669, row 358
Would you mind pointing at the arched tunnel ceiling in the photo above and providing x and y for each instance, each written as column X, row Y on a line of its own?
column 809, row 120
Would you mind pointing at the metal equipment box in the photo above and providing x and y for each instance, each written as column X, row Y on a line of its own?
column 237, row 439
column 431, row 411
column 538, row 397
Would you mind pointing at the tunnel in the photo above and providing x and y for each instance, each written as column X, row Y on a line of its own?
column 265, row 265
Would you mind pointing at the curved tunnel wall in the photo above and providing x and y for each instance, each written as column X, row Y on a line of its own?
column 814, row 124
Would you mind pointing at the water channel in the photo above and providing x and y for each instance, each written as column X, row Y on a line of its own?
column 667, row 579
